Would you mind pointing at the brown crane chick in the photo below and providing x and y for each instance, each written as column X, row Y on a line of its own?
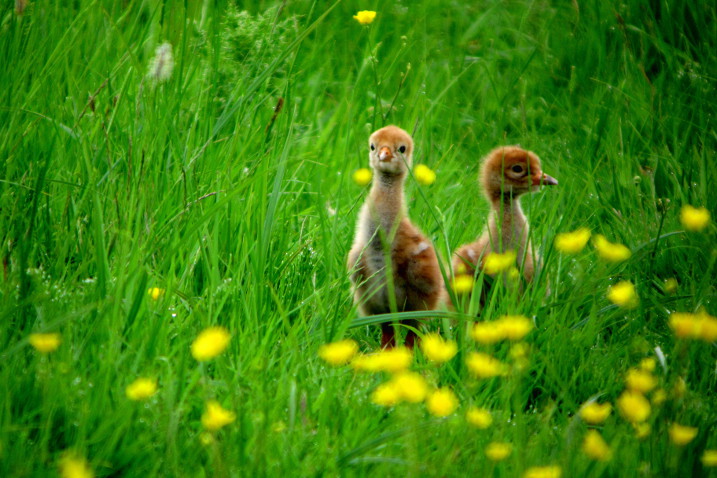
column 390, row 258
column 507, row 173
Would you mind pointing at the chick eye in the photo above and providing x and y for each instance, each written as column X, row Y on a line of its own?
column 517, row 168
column 402, row 149
column 373, row 147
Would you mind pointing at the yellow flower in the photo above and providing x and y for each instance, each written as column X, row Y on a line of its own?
column 462, row 284
column 216, row 417
column 595, row 413
column 659, row 397
column 709, row 458
column 73, row 466
column 496, row 262
column 155, row 293
column 338, row 353
column 206, row 438
column 594, row 446
column 633, row 406
column 572, row 242
column 519, row 353
column 442, row 402
column 411, row 386
column 609, row 251
column 498, row 451
column 487, row 332
column 694, row 326
column 141, row 389
column 670, row 285
column 386, row 395
column 392, row 360
column 642, row 430
column 210, row 343
column 694, row 219
column 437, row 349
column 640, row 381
column 45, row 343
column 623, row 294
column 484, row 366
column 648, row 364
column 479, row 417
column 543, row 472
column 681, row 435
column 362, row 176
column 365, row 17
column 424, row 175
column 515, row 327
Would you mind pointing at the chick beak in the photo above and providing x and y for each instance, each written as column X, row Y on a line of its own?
column 384, row 154
column 545, row 180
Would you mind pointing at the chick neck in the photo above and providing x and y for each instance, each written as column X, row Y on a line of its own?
column 507, row 224
column 386, row 205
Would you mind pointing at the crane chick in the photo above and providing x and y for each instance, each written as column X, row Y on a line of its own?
column 506, row 174
column 391, row 261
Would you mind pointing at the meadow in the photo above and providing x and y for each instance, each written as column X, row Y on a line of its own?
column 145, row 199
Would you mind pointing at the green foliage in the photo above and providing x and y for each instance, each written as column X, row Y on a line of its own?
column 243, row 213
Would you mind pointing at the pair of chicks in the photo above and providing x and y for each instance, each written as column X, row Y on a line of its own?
column 385, row 234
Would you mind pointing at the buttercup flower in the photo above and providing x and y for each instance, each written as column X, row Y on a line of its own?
column 699, row 326
column 155, row 292
column 623, row 294
column 572, row 242
column 484, row 366
column 338, row 353
column 442, row 402
column 543, row 472
column 595, row 413
column 141, row 389
column 74, row 466
column 390, row 360
column 210, row 343
column 694, row 219
column 633, row 406
column 659, row 397
column 411, row 386
column 216, row 417
column 462, row 283
column 648, row 364
column 681, row 435
column 496, row 262
column 362, row 176
column 424, row 175
column 609, row 251
column 386, row 395
column 498, row 451
column 45, row 343
column 709, row 458
column 487, row 332
column 594, row 446
column 437, row 349
column 515, row 327
column 642, row 430
column 670, row 285
column 365, row 17
column 479, row 417
column 640, row 381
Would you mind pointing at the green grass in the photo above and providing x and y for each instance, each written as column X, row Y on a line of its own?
column 245, row 221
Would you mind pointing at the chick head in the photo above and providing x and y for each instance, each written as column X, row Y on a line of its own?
column 390, row 151
column 510, row 171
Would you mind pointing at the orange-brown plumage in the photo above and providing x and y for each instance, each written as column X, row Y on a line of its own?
column 506, row 173
column 384, row 230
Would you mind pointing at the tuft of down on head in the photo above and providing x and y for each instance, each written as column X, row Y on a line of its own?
column 390, row 150
column 509, row 171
